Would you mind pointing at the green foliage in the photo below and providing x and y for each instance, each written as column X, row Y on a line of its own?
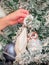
column 9, row 5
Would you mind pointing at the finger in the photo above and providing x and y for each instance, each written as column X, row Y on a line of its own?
column 20, row 20
column 24, row 11
column 21, row 15
column 13, row 22
column 16, row 21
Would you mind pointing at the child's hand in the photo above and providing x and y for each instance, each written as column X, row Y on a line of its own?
column 17, row 16
column 13, row 18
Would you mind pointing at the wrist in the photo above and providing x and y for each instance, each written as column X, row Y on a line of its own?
column 3, row 23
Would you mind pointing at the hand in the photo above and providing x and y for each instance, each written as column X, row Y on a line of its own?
column 13, row 18
column 16, row 17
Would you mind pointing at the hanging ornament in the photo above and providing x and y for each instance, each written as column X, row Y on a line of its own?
column 9, row 52
column 34, row 42
column 21, row 42
column 28, row 21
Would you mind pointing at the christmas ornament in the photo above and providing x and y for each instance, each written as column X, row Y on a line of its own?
column 9, row 52
column 34, row 42
column 21, row 42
